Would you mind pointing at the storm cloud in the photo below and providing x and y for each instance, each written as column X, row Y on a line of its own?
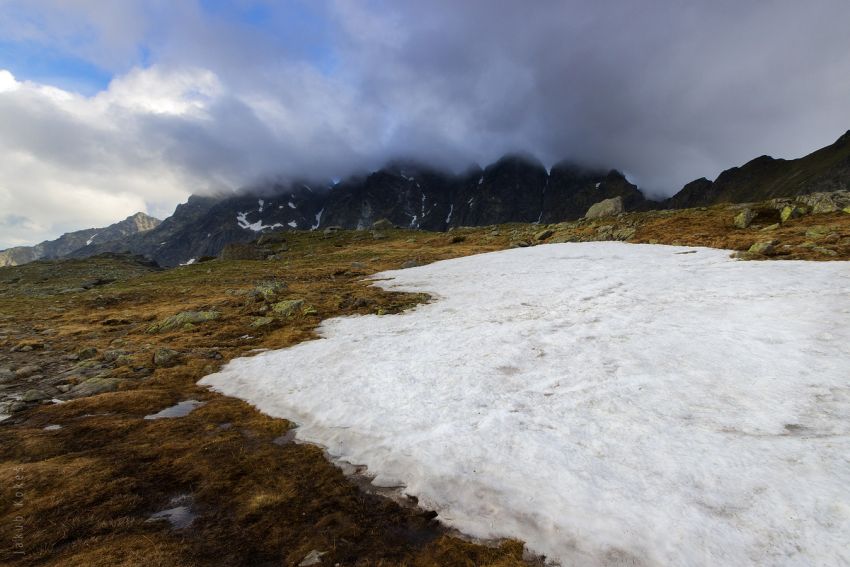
column 209, row 96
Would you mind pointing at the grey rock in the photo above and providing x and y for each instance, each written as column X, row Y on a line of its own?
column 410, row 264
column 607, row 208
column 27, row 371
column 94, row 386
column 744, row 218
column 287, row 308
column 35, row 395
column 165, row 357
column 382, row 224
column 764, row 248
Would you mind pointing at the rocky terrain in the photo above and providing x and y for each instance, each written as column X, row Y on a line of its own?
column 92, row 349
column 73, row 241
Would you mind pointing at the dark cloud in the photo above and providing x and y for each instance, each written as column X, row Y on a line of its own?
column 666, row 91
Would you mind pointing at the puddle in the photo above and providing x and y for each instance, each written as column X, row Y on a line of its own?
column 52, row 428
column 179, row 516
column 178, row 410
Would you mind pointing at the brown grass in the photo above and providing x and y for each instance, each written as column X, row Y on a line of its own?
column 89, row 487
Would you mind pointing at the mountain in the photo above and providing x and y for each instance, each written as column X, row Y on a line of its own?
column 72, row 241
column 827, row 169
column 516, row 188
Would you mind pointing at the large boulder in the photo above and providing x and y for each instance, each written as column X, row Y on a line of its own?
column 744, row 218
column 607, row 208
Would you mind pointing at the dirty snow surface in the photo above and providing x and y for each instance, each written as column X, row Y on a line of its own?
column 609, row 404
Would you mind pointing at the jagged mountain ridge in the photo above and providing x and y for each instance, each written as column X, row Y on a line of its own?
column 825, row 170
column 516, row 188
column 72, row 241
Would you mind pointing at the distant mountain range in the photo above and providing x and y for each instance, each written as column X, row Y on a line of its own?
column 516, row 188
column 72, row 241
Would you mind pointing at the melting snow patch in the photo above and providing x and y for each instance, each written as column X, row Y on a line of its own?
column 598, row 184
column 180, row 516
column 260, row 202
column 293, row 224
column 449, row 216
column 242, row 221
column 90, row 240
column 318, row 220
column 52, row 427
column 597, row 400
column 291, row 205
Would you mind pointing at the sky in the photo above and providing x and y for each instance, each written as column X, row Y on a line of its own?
column 108, row 108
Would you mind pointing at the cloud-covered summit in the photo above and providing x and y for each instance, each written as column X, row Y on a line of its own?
column 208, row 95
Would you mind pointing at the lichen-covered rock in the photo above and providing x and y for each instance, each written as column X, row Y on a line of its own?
column 544, row 234
column 165, row 357
column 269, row 290
column 260, row 322
column 34, row 395
column 607, row 208
column 818, row 231
column 764, row 248
column 27, row 371
column 86, row 353
column 382, row 224
column 770, row 227
column 623, row 233
column 94, row 386
column 287, row 308
column 792, row 212
column 182, row 319
column 744, row 218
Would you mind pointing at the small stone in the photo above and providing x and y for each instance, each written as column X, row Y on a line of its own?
column 94, row 386
column 744, row 218
column 165, row 357
column 770, row 227
column 544, row 234
column 824, row 251
column 332, row 230
column 287, row 308
column 358, row 265
column 791, row 212
column 27, row 371
column 261, row 322
column 34, row 395
column 309, row 310
column 382, row 224
column 410, row 264
column 817, row 232
column 764, row 248
column 86, row 353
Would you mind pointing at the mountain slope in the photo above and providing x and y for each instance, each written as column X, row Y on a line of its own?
column 827, row 169
column 72, row 241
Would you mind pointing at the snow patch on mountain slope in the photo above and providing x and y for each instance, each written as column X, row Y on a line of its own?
column 607, row 403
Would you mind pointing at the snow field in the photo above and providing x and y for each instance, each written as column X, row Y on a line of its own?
column 607, row 403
